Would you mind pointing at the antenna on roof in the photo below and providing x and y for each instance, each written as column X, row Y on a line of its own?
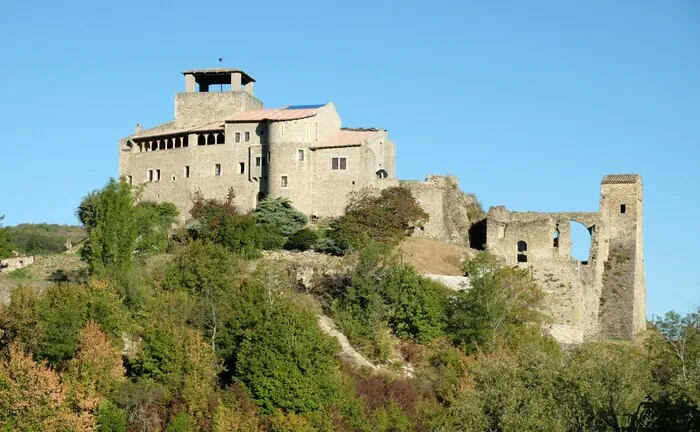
column 220, row 60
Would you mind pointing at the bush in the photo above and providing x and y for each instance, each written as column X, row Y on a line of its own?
column 331, row 244
column 110, row 418
column 278, row 214
column 386, row 217
column 220, row 222
column 5, row 241
column 302, row 240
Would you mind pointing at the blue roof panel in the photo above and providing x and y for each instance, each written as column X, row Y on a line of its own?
column 293, row 107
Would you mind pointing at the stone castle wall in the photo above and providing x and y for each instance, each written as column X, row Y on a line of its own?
column 603, row 296
column 449, row 208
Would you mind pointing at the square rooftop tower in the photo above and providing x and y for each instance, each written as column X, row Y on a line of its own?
column 203, row 78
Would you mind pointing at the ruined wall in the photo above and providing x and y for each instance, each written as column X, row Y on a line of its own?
column 10, row 264
column 449, row 208
column 602, row 297
column 623, row 296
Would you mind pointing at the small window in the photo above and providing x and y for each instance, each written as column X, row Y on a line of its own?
column 150, row 175
column 623, row 208
column 220, row 138
column 201, row 139
column 131, row 180
column 187, row 171
column 173, row 178
column 284, row 181
column 217, row 169
column 258, row 161
column 522, row 252
column 300, row 154
column 242, row 167
column 339, row 163
column 157, row 175
column 247, row 136
column 211, row 139
column 238, row 137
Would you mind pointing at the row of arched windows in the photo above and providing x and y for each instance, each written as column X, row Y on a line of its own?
column 173, row 142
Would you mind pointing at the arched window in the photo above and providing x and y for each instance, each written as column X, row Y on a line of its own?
column 522, row 251
column 220, row 138
column 211, row 138
column 555, row 238
column 201, row 139
column 580, row 242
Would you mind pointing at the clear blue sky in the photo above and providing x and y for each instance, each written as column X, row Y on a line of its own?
column 529, row 103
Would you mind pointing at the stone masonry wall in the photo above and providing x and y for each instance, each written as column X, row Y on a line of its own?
column 449, row 208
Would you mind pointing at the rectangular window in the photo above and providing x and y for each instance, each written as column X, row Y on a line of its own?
column 131, row 180
column 217, row 169
column 623, row 208
column 150, row 175
column 284, row 181
column 157, row 175
column 242, row 166
column 187, row 171
column 238, row 137
column 300, row 154
column 247, row 136
column 258, row 161
column 338, row 163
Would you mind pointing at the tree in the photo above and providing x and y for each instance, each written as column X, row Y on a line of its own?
column 501, row 301
column 286, row 362
column 279, row 215
column 108, row 218
column 5, row 240
column 385, row 217
column 220, row 222
column 302, row 240
column 33, row 397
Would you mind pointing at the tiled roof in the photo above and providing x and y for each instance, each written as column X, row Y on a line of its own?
column 345, row 138
column 621, row 178
column 271, row 114
column 160, row 133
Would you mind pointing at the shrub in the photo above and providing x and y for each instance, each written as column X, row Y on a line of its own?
column 386, row 217
column 5, row 240
column 278, row 214
column 110, row 418
column 220, row 222
column 302, row 240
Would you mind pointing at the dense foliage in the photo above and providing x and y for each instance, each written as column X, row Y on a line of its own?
column 118, row 229
column 384, row 217
column 207, row 338
column 42, row 239
column 5, row 240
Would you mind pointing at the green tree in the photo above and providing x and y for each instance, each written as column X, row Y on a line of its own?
column 286, row 362
column 302, row 240
column 501, row 301
column 278, row 214
column 220, row 222
column 112, row 230
column 5, row 240
column 385, row 217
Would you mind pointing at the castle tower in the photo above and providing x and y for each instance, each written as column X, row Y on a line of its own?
column 213, row 94
column 623, row 296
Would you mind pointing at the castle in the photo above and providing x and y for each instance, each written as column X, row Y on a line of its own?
column 226, row 139
column 220, row 140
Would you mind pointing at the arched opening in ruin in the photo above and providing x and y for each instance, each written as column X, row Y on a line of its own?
column 580, row 242
column 555, row 237
column 522, row 251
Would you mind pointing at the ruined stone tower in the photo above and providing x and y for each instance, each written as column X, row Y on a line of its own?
column 623, row 296
column 601, row 297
